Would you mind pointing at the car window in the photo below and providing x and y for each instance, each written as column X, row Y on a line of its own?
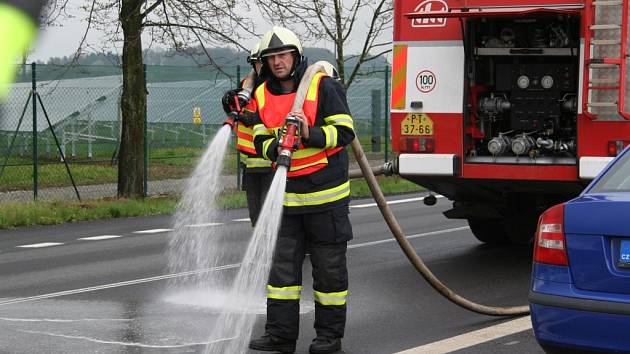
column 617, row 179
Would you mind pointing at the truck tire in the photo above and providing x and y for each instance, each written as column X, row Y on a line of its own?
column 490, row 231
column 521, row 230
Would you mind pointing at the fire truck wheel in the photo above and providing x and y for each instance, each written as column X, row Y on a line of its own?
column 490, row 231
column 521, row 229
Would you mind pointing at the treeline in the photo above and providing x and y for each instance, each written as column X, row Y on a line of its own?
column 220, row 56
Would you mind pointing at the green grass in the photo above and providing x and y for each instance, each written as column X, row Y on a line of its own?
column 389, row 185
column 46, row 213
column 162, row 166
column 13, row 214
column 55, row 175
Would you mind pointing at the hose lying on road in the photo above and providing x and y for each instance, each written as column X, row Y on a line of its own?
column 409, row 251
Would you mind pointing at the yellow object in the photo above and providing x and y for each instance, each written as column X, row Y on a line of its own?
column 284, row 293
column 337, row 298
column 317, row 198
column 17, row 30
column 416, row 124
column 197, row 115
column 257, row 162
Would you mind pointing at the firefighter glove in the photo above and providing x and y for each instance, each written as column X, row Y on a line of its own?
column 229, row 101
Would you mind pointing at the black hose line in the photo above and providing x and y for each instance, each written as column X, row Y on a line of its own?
column 410, row 252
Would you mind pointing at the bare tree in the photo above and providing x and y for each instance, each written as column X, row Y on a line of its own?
column 339, row 22
column 182, row 24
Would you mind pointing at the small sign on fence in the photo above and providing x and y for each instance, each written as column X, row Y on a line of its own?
column 197, row 115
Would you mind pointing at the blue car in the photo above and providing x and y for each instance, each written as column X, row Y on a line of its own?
column 580, row 295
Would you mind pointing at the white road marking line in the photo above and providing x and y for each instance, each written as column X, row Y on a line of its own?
column 116, row 285
column 410, row 237
column 207, row 224
column 56, row 320
column 392, row 202
column 473, row 338
column 98, row 238
column 128, row 344
column 152, row 231
column 39, row 245
column 241, row 220
column 195, row 272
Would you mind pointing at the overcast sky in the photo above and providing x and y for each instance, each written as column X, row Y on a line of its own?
column 64, row 40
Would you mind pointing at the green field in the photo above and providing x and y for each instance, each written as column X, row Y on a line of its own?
column 164, row 163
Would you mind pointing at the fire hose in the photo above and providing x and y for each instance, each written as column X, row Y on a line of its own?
column 391, row 221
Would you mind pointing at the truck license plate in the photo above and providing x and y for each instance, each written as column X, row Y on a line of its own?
column 624, row 253
column 416, row 124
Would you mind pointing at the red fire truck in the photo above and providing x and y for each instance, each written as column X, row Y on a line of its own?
column 507, row 107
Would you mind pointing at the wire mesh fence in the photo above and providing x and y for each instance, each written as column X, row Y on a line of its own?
column 72, row 134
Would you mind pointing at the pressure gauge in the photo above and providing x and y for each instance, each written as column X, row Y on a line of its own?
column 522, row 82
column 546, row 82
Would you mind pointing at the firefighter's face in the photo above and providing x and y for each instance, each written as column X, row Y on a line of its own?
column 280, row 64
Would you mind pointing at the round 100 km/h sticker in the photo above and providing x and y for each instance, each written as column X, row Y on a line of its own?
column 416, row 124
column 425, row 81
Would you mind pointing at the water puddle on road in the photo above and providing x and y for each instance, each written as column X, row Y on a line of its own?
column 204, row 311
column 180, row 322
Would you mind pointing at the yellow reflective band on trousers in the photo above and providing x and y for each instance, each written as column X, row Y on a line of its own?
column 330, row 132
column 338, row 298
column 284, row 293
column 317, row 198
column 340, row 119
column 257, row 162
column 17, row 30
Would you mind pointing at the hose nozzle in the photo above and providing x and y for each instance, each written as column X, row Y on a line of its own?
column 230, row 121
column 289, row 141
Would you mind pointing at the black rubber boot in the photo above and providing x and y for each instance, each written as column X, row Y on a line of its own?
column 270, row 343
column 323, row 345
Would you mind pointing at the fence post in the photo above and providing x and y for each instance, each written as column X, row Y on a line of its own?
column 386, row 111
column 376, row 120
column 238, row 153
column 146, row 138
column 35, row 152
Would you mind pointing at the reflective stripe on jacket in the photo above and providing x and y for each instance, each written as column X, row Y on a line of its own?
column 245, row 142
column 273, row 110
column 319, row 181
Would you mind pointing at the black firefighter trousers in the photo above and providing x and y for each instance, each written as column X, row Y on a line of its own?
column 324, row 235
column 256, row 184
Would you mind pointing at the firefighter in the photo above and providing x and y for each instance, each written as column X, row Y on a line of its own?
column 315, row 215
column 18, row 27
column 257, row 174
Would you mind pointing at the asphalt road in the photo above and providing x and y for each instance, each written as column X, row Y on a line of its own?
column 63, row 293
